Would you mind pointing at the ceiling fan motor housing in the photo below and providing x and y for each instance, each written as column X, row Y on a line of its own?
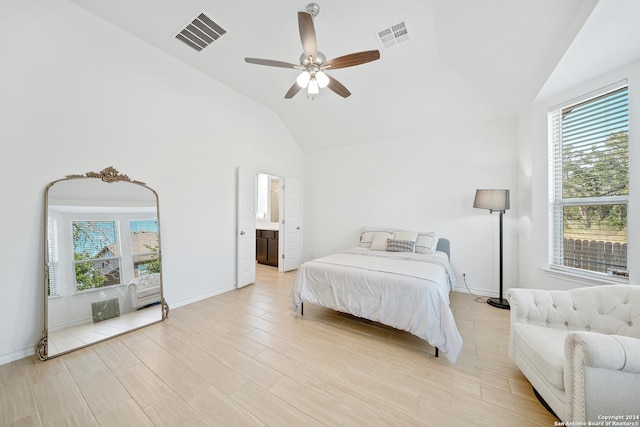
column 318, row 60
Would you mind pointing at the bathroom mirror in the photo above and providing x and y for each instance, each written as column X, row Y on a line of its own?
column 102, row 252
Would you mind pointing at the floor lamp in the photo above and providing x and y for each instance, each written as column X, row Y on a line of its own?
column 495, row 201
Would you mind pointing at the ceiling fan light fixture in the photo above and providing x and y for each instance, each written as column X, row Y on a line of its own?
column 313, row 88
column 303, row 79
column 322, row 79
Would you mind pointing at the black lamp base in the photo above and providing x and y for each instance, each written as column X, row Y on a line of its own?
column 499, row 302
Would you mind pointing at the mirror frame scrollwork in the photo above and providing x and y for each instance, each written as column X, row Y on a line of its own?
column 108, row 175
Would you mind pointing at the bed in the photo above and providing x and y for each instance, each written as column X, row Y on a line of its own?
column 399, row 278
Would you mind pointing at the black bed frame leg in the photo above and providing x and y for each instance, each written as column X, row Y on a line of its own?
column 436, row 351
column 301, row 309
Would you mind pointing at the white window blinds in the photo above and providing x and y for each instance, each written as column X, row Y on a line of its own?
column 53, row 261
column 589, row 182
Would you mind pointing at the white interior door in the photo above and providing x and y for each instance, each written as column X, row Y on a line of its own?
column 291, row 225
column 246, row 227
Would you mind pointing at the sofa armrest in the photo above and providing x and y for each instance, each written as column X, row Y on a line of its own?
column 603, row 351
column 134, row 285
column 133, row 291
column 601, row 375
column 522, row 301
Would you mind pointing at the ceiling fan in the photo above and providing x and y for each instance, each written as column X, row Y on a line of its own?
column 313, row 63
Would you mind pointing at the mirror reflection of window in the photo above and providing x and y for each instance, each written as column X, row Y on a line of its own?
column 96, row 254
column 145, row 246
column 268, row 198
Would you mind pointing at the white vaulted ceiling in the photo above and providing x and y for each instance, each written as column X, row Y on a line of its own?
column 465, row 60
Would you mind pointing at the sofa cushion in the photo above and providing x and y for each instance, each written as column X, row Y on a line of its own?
column 147, row 292
column 544, row 348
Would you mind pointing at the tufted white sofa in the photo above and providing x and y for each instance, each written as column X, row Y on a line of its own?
column 145, row 290
column 579, row 349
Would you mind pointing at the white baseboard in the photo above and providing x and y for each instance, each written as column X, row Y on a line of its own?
column 176, row 304
column 17, row 355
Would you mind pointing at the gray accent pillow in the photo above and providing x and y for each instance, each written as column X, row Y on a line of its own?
column 400, row 245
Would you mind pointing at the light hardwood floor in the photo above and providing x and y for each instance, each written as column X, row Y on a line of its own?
column 246, row 358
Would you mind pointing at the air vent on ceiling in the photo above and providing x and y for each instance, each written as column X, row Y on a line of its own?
column 393, row 35
column 200, row 32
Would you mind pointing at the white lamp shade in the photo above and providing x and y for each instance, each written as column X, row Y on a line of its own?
column 313, row 87
column 494, row 200
column 303, row 79
column 322, row 79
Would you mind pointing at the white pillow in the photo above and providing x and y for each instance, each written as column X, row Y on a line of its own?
column 380, row 238
column 406, row 235
column 426, row 243
column 366, row 238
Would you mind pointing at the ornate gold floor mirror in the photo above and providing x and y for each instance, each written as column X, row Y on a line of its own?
column 103, row 269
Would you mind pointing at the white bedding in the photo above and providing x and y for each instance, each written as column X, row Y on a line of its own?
column 405, row 290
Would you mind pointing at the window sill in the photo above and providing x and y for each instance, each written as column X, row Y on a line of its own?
column 97, row 290
column 585, row 279
column 88, row 292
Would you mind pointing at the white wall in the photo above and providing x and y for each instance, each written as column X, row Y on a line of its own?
column 423, row 183
column 533, row 175
column 78, row 95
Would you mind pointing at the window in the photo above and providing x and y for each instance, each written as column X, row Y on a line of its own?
column 589, row 183
column 96, row 253
column 145, row 246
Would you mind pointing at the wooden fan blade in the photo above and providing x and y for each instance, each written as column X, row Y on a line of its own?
column 271, row 63
column 308, row 35
column 338, row 87
column 293, row 90
column 352, row 59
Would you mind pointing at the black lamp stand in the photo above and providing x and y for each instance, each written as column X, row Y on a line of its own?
column 500, row 302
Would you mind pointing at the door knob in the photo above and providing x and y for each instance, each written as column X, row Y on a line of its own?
column 297, row 228
column 242, row 233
